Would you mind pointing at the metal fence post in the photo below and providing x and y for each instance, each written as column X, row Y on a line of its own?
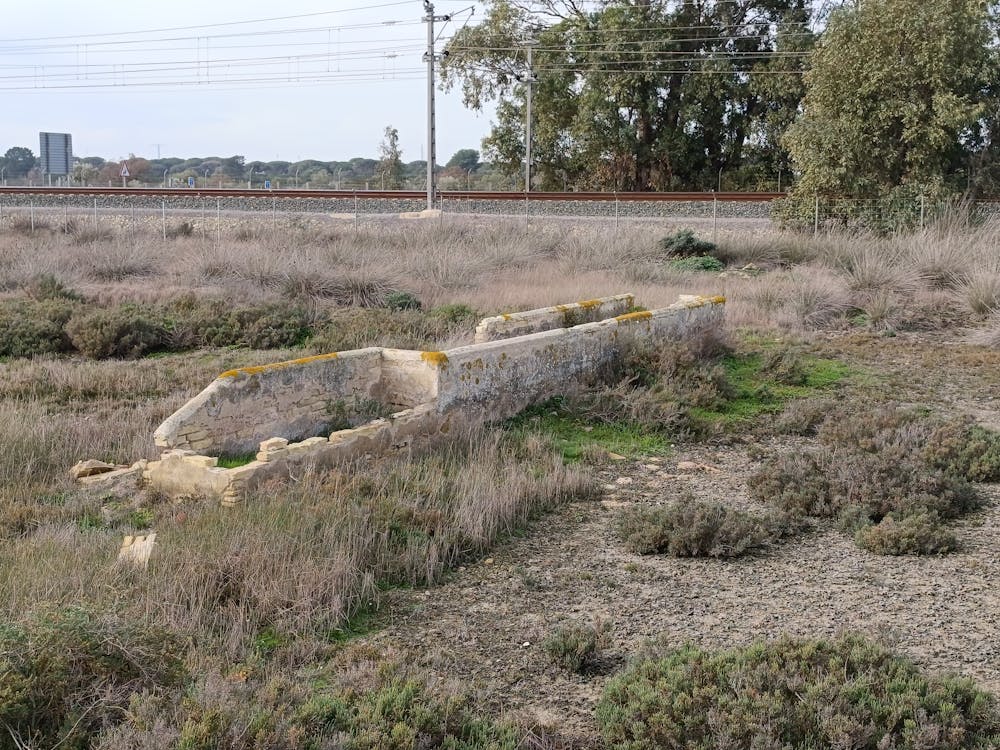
column 218, row 220
column 921, row 211
column 274, row 210
column 95, row 212
column 31, row 212
column 715, row 216
column 355, row 210
column 163, row 218
column 616, row 209
column 816, row 217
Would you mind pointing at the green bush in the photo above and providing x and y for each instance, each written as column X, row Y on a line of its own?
column 47, row 287
column 574, row 646
column 697, row 263
column 30, row 327
column 66, row 674
column 691, row 529
column 684, row 244
column 795, row 483
column 400, row 300
column 916, row 534
column 390, row 710
column 454, row 314
column 276, row 325
column 889, row 476
column 848, row 693
column 126, row 331
column 963, row 449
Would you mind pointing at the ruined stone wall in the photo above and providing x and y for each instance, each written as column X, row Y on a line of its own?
column 549, row 318
column 502, row 377
column 280, row 411
column 295, row 399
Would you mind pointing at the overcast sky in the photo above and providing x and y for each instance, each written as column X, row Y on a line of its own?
column 320, row 86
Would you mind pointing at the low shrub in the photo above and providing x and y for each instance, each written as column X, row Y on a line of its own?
column 697, row 263
column 575, row 646
column 802, row 416
column 400, row 300
column 69, row 673
column 793, row 694
column 276, row 325
column 890, row 477
column 390, row 709
column 915, row 534
column 795, row 483
column 126, row 331
column 47, row 287
column 963, row 449
column 30, row 327
column 691, row 529
column 454, row 314
column 684, row 244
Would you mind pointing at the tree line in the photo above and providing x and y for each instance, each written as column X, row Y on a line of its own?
column 464, row 169
column 858, row 97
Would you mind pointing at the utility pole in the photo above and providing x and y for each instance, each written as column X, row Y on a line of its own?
column 430, row 58
column 528, row 79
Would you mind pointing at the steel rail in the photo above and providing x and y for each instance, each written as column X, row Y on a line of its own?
column 415, row 195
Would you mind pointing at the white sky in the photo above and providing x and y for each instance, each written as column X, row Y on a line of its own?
column 334, row 81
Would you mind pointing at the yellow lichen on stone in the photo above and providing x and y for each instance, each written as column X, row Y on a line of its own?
column 717, row 300
column 438, row 359
column 257, row 369
column 589, row 304
column 632, row 317
column 506, row 316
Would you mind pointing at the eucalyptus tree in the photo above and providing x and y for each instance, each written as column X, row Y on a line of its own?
column 637, row 94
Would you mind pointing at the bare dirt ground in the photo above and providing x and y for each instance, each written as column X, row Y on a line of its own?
column 485, row 626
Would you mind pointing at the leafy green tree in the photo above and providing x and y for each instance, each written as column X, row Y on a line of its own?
column 390, row 163
column 466, row 159
column 900, row 95
column 637, row 94
column 18, row 161
column 234, row 167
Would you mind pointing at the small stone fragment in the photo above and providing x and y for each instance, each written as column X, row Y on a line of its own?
column 135, row 550
column 90, row 467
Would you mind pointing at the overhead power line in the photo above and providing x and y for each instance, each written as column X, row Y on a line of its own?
column 209, row 25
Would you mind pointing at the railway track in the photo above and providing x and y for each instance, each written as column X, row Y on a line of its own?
column 450, row 195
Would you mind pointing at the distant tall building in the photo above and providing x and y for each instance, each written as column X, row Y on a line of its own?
column 56, row 150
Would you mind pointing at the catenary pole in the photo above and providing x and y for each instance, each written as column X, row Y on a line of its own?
column 430, row 58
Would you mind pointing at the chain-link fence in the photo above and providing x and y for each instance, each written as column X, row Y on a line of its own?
column 235, row 215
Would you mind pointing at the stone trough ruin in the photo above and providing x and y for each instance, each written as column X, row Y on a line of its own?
column 331, row 408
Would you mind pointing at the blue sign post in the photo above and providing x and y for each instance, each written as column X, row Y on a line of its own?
column 190, row 181
column 267, row 184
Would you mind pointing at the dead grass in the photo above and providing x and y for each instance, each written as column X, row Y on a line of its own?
column 795, row 281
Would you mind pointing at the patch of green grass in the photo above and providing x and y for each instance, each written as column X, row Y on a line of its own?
column 697, row 263
column 236, row 460
column 764, row 382
column 363, row 622
column 573, row 436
